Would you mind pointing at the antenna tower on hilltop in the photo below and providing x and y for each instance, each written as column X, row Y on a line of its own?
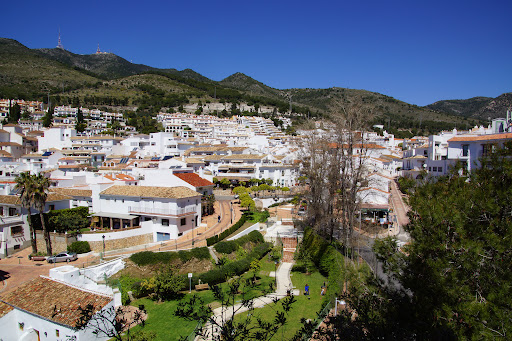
column 98, row 51
column 59, row 43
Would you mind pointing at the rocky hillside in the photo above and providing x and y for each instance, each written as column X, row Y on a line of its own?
column 476, row 107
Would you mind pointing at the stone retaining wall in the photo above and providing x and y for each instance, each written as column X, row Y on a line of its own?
column 121, row 243
column 59, row 241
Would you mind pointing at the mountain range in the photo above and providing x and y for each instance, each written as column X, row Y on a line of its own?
column 107, row 79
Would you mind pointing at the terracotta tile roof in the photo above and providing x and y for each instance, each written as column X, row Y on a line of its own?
column 5, row 153
column 193, row 160
column 34, row 155
column 4, row 309
column 12, row 144
column 53, row 300
column 503, row 136
column 73, row 166
column 57, row 197
column 121, row 177
column 213, row 158
column 10, row 200
column 243, row 157
column 194, row 179
column 74, row 192
column 151, row 191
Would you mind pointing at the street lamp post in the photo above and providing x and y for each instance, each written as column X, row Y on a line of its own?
column 193, row 225
column 231, row 211
column 103, row 255
column 275, row 273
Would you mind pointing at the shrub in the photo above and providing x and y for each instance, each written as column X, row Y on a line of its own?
column 148, row 257
column 235, row 268
column 79, row 247
column 228, row 247
column 227, row 232
column 299, row 268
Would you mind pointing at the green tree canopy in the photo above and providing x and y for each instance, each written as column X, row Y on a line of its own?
column 454, row 278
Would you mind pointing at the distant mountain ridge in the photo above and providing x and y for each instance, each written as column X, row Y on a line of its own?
column 106, row 79
column 476, row 107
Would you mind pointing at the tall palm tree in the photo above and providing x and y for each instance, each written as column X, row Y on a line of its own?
column 25, row 185
column 41, row 186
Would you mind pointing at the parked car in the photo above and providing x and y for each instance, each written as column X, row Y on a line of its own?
column 62, row 257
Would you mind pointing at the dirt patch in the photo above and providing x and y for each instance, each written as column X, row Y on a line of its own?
column 135, row 271
column 373, row 228
column 196, row 266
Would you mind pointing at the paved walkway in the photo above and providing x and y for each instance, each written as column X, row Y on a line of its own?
column 399, row 207
column 222, row 314
column 284, row 284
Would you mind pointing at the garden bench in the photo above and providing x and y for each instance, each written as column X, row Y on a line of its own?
column 39, row 258
column 200, row 287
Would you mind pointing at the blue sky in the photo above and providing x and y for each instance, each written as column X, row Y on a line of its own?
column 416, row 51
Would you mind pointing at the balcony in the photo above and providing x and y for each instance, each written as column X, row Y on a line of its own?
column 180, row 212
column 10, row 220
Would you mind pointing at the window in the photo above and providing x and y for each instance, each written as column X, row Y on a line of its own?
column 1, row 210
column 165, row 222
column 21, row 325
column 12, row 211
column 465, row 149
column 429, row 169
column 434, row 169
column 57, row 333
column 439, row 169
column 52, row 207
column 183, row 221
column 15, row 230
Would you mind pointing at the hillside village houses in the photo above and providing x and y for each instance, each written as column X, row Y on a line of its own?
column 176, row 168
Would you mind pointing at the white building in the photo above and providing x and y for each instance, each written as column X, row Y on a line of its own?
column 166, row 212
column 14, row 231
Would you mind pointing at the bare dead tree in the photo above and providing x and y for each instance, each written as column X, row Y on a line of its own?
column 335, row 165
column 109, row 322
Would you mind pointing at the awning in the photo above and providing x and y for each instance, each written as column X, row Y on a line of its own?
column 374, row 207
column 114, row 215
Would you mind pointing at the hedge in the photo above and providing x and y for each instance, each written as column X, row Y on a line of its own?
column 228, row 232
column 227, row 247
column 235, row 268
column 79, row 247
column 149, row 257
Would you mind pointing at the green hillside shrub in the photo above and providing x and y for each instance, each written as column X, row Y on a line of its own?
column 79, row 247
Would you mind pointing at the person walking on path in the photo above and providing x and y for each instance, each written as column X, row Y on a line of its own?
column 306, row 291
column 322, row 291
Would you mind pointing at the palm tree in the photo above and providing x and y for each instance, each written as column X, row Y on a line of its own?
column 41, row 186
column 24, row 185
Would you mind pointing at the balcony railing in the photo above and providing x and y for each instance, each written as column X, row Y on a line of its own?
column 11, row 219
column 162, row 211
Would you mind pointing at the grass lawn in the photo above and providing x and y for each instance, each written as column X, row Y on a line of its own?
column 166, row 326
column 304, row 307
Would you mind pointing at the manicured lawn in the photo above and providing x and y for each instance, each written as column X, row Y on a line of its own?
column 162, row 321
column 166, row 326
column 304, row 307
